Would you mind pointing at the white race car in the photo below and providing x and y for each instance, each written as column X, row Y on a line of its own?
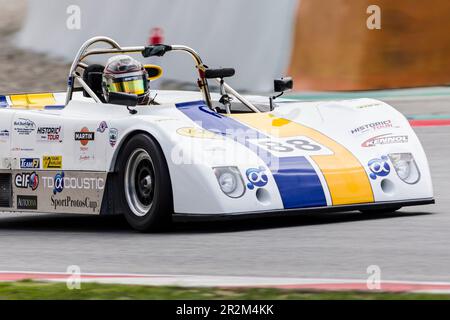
column 197, row 154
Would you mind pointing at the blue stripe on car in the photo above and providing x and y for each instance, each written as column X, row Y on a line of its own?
column 3, row 102
column 54, row 107
column 297, row 180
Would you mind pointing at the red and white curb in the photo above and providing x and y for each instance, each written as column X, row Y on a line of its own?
column 430, row 123
column 231, row 281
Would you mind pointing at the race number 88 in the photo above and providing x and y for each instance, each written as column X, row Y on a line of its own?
column 290, row 145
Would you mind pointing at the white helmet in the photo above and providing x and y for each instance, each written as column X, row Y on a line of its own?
column 126, row 75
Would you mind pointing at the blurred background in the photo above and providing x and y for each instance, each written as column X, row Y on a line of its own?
column 395, row 51
column 337, row 45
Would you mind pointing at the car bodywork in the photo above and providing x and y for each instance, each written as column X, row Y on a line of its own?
column 58, row 154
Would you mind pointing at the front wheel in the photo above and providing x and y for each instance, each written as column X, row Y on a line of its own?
column 145, row 188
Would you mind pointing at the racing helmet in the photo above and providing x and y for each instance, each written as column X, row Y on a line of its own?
column 124, row 74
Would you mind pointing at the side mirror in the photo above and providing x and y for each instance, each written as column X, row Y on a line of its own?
column 283, row 84
column 123, row 99
column 219, row 73
column 154, row 71
column 280, row 85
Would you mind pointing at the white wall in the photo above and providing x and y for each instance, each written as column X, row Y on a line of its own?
column 253, row 36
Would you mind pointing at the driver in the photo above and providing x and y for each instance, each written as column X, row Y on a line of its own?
column 126, row 75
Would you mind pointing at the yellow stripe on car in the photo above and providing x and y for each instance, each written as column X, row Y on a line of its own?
column 33, row 101
column 346, row 178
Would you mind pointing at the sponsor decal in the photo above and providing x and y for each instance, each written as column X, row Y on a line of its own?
column 60, row 182
column 30, row 163
column 84, row 136
column 165, row 119
column 368, row 105
column 49, row 134
column 4, row 135
column 22, row 149
column 374, row 126
column 60, row 190
column 27, row 203
column 256, row 177
column 113, row 136
column 384, row 139
column 102, row 127
column 24, row 127
column 69, row 202
column 27, row 180
column 52, row 162
column 85, row 157
column 379, row 167
column 197, row 133
column 5, row 163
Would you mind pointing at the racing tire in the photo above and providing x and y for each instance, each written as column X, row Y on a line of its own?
column 145, row 190
column 380, row 211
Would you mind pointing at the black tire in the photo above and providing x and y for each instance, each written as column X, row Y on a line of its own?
column 146, row 202
column 380, row 211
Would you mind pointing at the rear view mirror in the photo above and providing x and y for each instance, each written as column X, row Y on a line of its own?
column 283, row 84
column 280, row 85
column 123, row 99
column 154, row 71
column 219, row 73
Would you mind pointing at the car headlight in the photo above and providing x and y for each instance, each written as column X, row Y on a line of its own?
column 230, row 181
column 406, row 167
column 227, row 182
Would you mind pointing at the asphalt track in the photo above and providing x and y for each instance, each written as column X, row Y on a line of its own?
column 413, row 244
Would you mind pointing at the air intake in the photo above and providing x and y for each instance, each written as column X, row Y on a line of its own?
column 5, row 190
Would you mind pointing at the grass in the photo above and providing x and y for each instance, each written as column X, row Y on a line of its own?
column 30, row 290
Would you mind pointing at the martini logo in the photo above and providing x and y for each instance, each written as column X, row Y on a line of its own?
column 49, row 134
column 84, row 136
column 384, row 139
column 52, row 162
column 27, row 180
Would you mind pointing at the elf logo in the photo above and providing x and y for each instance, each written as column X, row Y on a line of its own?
column 27, row 180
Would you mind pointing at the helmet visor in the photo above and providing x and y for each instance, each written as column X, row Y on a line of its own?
column 133, row 85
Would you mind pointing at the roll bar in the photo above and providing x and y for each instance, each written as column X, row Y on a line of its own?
column 146, row 51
